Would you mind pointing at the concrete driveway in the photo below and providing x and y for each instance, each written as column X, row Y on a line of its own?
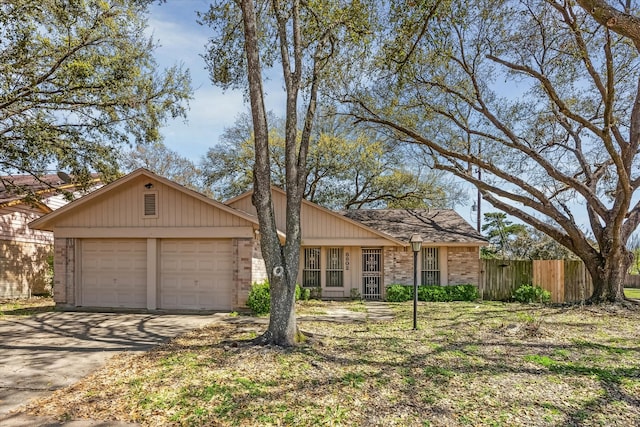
column 42, row 353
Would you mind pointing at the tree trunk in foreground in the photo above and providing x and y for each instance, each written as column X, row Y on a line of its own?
column 608, row 275
column 281, row 261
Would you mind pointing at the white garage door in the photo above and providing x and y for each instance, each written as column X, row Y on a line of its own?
column 114, row 273
column 196, row 274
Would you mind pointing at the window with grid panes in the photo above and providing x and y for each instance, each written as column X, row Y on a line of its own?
column 335, row 267
column 311, row 269
column 430, row 266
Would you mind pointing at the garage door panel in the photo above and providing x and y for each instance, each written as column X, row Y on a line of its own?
column 196, row 274
column 114, row 273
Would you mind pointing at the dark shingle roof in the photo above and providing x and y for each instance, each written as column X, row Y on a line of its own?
column 433, row 225
column 18, row 187
column 15, row 187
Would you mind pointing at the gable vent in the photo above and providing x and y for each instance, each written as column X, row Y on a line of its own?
column 150, row 204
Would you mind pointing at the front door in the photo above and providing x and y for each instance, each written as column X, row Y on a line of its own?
column 371, row 273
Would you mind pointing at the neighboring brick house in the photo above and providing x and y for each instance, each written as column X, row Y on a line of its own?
column 146, row 242
column 24, row 252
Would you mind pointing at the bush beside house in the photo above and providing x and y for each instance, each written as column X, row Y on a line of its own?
column 259, row 300
column 400, row 293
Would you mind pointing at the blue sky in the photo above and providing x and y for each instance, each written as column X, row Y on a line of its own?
column 182, row 41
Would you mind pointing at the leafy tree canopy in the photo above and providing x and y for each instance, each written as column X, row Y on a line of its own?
column 518, row 241
column 159, row 159
column 346, row 169
column 77, row 82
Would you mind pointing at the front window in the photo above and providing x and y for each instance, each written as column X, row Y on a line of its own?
column 430, row 266
column 311, row 271
column 335, row 268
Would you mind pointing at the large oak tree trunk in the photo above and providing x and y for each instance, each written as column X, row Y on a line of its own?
column 608, row 275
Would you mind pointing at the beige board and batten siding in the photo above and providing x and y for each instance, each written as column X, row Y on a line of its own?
column 178, row 214
column 319, row 226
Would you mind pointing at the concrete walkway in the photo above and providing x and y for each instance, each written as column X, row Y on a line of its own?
column 53, row 350
column 377, row 311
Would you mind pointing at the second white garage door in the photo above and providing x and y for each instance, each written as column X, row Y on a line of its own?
column 196, row 274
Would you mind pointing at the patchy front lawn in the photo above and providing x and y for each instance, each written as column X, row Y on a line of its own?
column 25, row 306
column 477, row 364
column 632, row 293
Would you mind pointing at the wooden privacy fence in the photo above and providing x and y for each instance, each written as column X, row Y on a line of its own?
column 633, row 281
column 567, row 280
column 501, row 278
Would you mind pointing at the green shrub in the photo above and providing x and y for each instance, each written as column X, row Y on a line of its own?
column 433, row 293
column 302, row 294
column 527, row 294
column 464, row 292
column 399, row 293
column 259, row 300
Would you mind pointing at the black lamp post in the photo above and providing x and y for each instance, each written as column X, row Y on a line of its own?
column 416, row 245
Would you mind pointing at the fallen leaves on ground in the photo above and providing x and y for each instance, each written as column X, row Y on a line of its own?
column 480, row 364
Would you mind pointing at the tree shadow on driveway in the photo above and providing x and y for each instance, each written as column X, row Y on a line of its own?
column 52, row 350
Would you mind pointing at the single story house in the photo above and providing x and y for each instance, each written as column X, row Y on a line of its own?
column 361, row 252
column 146, row 242
column 25, row 252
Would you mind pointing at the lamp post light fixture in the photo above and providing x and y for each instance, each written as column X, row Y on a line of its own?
column 416, row 245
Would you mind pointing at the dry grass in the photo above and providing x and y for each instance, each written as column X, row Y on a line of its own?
column 25, row 306
column 479, row 364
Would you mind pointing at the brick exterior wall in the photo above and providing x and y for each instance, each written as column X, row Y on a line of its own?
column 463, row 265
column 398, row 266
column 24, row 270
column 258, row 268
column 242, row 272
column 64, row 272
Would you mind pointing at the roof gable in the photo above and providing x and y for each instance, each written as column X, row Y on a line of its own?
column 42, row 194
column 316, row 221
column 121, row 204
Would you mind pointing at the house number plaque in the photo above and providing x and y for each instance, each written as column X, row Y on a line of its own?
column 346, row 261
